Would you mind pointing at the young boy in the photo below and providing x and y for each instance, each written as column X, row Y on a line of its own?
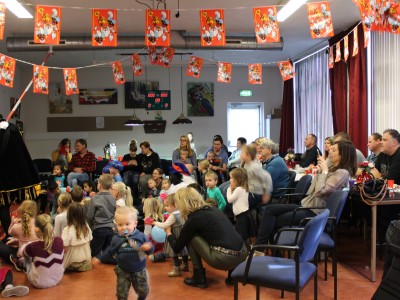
column 115, row 167
column 213, row 191
column 77, row 196
column 130, row 246
column 216, row 163
column 152, row 191
column 100, row 215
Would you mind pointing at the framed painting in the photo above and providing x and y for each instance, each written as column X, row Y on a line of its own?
column 200, row 97
column 135, row 93
column 98, row 96
column 59, row 103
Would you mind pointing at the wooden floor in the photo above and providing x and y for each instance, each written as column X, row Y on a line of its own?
column 99, row 283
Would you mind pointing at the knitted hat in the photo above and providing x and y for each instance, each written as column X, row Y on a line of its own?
column 116, row 164
column 179, row 168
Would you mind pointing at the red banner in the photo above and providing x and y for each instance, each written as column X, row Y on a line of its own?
column 40, row 79
column 212, row 27
column 104, row 27
column 391, row 17
column 346, row 47
column 369, row 11
column 118, row 72
column 320, row 19
column 331, row 61
column 153, row 55
column 71, row 81
column 157, row 28
column 224, row 72
column 286, row 69
column 47, row 25
column 2, row 19
column 7, row 70
column 136, row 65
column 266, row 25
column 255, row 73
column 355, row 41
column 194, row 67
column 165, row 57
column 338, row 53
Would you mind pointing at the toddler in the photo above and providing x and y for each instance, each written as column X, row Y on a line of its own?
column 60, row 222
column 203, row 167
column 89, row 189
column 59, row 177
column 114, row 168
column 152, row 191
column 213, row 161
column 184, row 157
column 165, row 185
column 213, row 191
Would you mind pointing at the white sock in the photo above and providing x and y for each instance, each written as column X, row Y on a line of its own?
column 9, row 286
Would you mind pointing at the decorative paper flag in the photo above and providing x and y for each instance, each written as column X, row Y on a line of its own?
column 7, row 70
column 391, row 17
column 40, row 79
column 152, row 55
column 212, row 27
column 165, row 57
column 331, row 61
column 157, row 28
column 104, row 27
column 47, row 25
column 194, row 67
column 2, row 19
column 118, row 72
column 319, row 17
column 255, row 73
column 266, row 24
column 346, row 47
column 136, row 65
column 286, row 69
column 355, row 41
column 370, row 17
column 338, row 53
column 224, row 72
column 71, row 81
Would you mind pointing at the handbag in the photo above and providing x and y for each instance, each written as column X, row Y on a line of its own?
column 372, row 192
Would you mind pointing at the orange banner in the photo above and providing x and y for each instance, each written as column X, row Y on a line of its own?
column 165, row 57
column 71, row 81
column 391, row 17
column 7, row 70
column 355, row 41
column 157, row 28
column 194, row 67
column 331, row 61
column 369, row 11
column 266, row 25
column 153, row 55
column 286, row 69
column 224, row 72
column 212, row 27
column 320, row 19
column 104, row 27
column 136, row 65
column 47, row 25
column 40, row 79
column 2, row 19
column 118, row 72
column 255, row 73
column 346, row 47
column 338, row 53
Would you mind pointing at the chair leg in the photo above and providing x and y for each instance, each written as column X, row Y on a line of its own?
column 326, row 265
column 282, row 293
column 236, row 291
column 334, row 271
column 257, row 292
column 316, row 279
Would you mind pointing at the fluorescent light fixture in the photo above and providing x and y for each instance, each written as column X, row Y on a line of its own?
column 289, row 9
column 17, row 9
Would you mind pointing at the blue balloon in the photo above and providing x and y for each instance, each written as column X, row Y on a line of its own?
column 158, row 234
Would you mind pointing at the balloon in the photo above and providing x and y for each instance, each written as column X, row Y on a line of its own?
column 158, row 234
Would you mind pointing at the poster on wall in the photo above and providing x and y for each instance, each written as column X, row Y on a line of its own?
column 135, row 93
column 59, row 103
column 98, row 96
column 200, row 97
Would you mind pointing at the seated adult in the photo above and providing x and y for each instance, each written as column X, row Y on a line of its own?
column 148, row 160
column 208, row 235
column 132, row 171
column 276, row 167
column 344, row 136
column 327, row 145
column 310, row 156
column 180, row 177
column 82, row 163
column 375, row 146
column 342, row 156
column 184, row 144
column 221, row 155
column 62, row 155
column 234, row 159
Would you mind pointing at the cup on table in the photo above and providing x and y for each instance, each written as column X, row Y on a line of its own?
column 390, row 183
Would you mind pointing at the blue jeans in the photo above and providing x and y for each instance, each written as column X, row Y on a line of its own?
column 74, row 178
column 131, row 179
column 101, row 239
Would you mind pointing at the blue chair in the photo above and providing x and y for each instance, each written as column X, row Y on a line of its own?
column 299, row 192
column 284, row 274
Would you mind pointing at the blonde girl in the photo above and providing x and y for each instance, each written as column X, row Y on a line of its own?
column 122, row 193
column 49, row 249
column 153, row 212
column 64, row 201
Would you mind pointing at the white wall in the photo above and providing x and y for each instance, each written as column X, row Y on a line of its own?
column 35, row 109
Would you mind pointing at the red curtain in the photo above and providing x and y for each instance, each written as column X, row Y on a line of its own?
column 338, row 81
column 286, row 139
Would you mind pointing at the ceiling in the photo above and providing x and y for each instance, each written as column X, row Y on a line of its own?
column 76, row 20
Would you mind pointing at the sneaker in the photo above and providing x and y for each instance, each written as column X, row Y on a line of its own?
column 19, row 290
column 158, row 257
column 184, row 267
column 15, row 261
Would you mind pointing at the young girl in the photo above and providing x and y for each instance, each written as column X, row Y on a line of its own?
column 122, row 193
column 175, row 222
column 49, row 250
column 152, row 191
column 89, row 188
column 76, row 237
column 157, row 175
column 64, row 201
column 165, row 185
column 153, row 212
column 63, row 154
column 203, row 166
column 59, row 177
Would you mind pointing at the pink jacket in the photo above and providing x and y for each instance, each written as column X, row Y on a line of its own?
column 15, row 230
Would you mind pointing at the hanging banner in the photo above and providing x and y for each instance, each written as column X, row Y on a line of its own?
column 7, row 70
column 266, row 25
column 136, row 65
column 104, row 28
column 391, row 17
column 165, row 57
column 157, row 28
column 255, row 73
column 40, row 79
column 346, row 47
column 118, row 72
column 286, row 69
column 194, row 66
column 338, row 53
column 370, row 17
column 47, row 25
column 224, row 72
column 71, row 81
column 355, row 41
column 212, row 27
column 152, row 54
column 320, row 20
column 331, row 61
column 366, row 36
column 2, row 19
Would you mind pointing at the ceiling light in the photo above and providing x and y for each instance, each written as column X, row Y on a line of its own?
column 134, row 121
column 289, row 9
column 182, row 119
column 17, row 9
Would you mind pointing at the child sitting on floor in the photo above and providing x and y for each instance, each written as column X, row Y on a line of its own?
column 60, row 221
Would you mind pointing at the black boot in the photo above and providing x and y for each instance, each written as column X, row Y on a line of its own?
column 198, row 279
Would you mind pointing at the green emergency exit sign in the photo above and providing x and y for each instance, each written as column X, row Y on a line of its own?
column 245, row 93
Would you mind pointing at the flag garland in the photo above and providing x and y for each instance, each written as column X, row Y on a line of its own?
column 266, row 25
column 255, row 73
column 2, row 19
column 104, row 27
column 7, row 70
column 47, row 25
column 70, row 81
column 212, row 27
column 194, row 66
column 40, row 79
column 224, row 72
column 157, row 28
column 319, row 17
column 286, row 69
